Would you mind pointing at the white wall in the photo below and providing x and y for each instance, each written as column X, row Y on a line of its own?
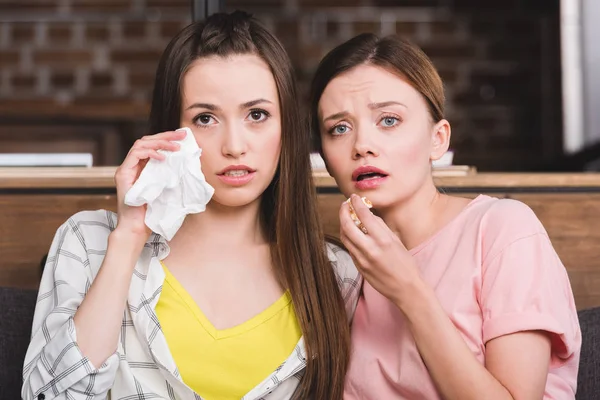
column 591, row 69
column 580, row 44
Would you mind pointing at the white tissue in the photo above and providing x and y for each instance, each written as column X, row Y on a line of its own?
column 172, row 188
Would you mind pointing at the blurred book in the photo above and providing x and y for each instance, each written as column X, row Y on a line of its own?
column 46, row 160
column 445, row 160
column 317, row 163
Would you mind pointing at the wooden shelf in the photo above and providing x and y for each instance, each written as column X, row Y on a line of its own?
column 57, row 177
column 35, row 201
column 96, row 110
column 102, row 177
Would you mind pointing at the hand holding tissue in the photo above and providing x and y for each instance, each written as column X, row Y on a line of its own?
column 172, row 188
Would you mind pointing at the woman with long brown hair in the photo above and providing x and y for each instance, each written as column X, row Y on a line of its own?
column 245, row 300
column 463, row 298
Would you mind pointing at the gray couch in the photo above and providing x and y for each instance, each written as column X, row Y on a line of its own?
column 16, row 314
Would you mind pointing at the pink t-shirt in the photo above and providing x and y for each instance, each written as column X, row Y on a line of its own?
column 495, row 272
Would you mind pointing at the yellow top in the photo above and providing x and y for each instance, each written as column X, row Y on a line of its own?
column 225, row 364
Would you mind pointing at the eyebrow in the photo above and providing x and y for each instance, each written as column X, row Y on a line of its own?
column 375, row 106
column 213, row 107
column 372, row 106
column 336, row 116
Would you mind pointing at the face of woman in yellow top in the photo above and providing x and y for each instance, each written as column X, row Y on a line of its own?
column 232, row 106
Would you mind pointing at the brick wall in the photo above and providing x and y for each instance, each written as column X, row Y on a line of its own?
column 500, row 65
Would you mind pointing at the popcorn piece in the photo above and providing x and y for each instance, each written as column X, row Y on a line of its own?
column 354, row 217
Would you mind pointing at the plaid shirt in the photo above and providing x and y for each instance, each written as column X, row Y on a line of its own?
column 142, row 367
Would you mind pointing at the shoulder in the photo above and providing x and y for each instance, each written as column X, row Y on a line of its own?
column 504, row 222
column 342, row 264
column 349, row 279
column 340, row 258
column 94, row 218
column 497, row 223
column 498, row 211
column 91, row 227
column 510, row 211
column 84, row 231
column 505, row 217
column 77, row 249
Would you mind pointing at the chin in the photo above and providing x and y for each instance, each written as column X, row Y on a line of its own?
column 350, row 188
column 238, row 197
column 380, row 197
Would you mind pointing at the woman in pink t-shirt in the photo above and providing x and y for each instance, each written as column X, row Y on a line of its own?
column 463, row 298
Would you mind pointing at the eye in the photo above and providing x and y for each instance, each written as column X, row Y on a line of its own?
column 339, row 130
column 389, row 121
column 204, row 120
column 258, row 115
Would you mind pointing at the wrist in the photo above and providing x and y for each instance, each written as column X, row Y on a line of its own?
column 131, row 234
column 414, row 297
column 126, row 244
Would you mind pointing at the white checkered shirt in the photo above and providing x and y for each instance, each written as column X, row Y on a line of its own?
column 142, row 367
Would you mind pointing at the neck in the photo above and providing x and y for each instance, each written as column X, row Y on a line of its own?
column 415, row 219
column 223, row 227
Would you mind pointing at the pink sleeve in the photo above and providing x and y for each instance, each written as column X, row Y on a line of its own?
column 526, row 287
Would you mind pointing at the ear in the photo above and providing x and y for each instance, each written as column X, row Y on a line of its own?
column 440, row 139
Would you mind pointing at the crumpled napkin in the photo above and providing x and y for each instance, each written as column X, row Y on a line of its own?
column 172, row 188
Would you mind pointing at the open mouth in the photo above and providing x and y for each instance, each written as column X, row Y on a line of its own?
column 236, row 172
column 369, row 175
column 368, row 172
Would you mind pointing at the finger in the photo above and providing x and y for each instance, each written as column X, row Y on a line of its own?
column 351, row 231
column 381, row 224
column 143, row 154
column 158, row 144
column 355, row 253
column 348, row 221
column 368, row 219
column 167, row 135
column 135, row 155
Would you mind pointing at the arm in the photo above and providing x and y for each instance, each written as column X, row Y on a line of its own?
column 516, row 364
column 98, row 319
column 349, row 279
column 78, row 316
column 55, row 366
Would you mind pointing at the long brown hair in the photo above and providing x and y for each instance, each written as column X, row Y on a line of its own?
column 395, row 54
column 288, row 206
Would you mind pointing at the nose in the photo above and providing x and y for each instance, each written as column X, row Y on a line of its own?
column 363, row 144
column 234, row 142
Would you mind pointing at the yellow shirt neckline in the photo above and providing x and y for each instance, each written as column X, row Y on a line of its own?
column 217, row 334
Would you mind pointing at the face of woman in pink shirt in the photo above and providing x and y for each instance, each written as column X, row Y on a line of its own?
column 377, row 135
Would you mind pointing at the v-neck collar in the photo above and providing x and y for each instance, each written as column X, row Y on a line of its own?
column 218, row 334
column 143, row 297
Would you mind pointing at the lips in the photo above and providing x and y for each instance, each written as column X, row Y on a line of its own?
column 368, row 177
column 236, row 170
column 237, row 175
column 368, row 172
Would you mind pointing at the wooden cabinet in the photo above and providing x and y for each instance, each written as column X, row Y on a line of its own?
column 29, row 222
column 33, row 203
